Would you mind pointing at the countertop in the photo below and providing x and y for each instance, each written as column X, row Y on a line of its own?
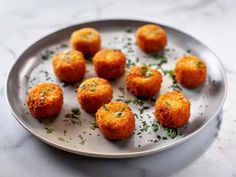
column 210, row 153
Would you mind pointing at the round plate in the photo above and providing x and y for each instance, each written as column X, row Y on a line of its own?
column 79, row 134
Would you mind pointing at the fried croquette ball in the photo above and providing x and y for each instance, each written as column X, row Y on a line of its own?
column 172, row 109
column 109, row 63
column 69, row 65
column 143, row 81
column 151, row 38
column 45, row 100
column 86, row 40
column 93, row 93
column 115, row 120
column 190, row 71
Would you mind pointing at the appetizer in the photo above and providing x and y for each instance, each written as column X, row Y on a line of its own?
column 190, row 71
column 151, row 38
column 69, row 65
column 172, row 109
column 109, row 63
column 45, row 100
column 143, row 81
column 86, row 40
column 93, row 93
column 115, row 120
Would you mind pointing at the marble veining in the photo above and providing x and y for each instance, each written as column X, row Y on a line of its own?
column 210, row 153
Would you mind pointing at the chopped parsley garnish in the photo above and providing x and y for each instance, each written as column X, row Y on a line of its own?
column 49, row 129
column 61, row 139
column 64, row 45
column 64, row 84
column 173, row 133
column 148, row 73
column 76, row 111
column 200, row 64
column 92, row 90
column 73, row 117
column 82, row 140
column 105, row 107
column 167, row 104
column 119, row 114
column 142, row 109
column 82, row 86
column 47, row 54
column 93, row 125
column 154, row 127
column 145, row 126
column 138, row 102
column 129, row 30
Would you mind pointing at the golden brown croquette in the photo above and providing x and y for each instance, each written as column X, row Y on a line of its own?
column 143, row 81
column 109, row 63
column 172, row 109
column 69, row 65
column 190, row 71
column 86, row 40
column 115, row 120
column 45, row 100
column 151, row 38
column 93, row 93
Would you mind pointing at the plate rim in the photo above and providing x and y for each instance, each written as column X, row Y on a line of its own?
column 123, row 154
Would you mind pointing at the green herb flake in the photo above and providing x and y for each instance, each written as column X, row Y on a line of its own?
column 105, row 107
column 129, row 30
column 142, row 109
column 64, row 45
column 145, row 126
column 167, row 104
column 154, row 127
column 93, row 125
column 148, row 73
column 61, row 139
column 76, row 111
column 138, row 102
column 82, row 86
column 49, row 129
column 119, row 114
column 92, row 90
column 200, row 64
column 172, row 133
column 82, row 140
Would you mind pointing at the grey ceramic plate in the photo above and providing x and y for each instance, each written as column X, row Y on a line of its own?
column 78, row 136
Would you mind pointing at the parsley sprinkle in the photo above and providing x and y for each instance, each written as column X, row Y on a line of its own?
column 49, row 129
column 129, row 30
column 167, row 104
column 105, row 107
column 93, row 125
column 64, row 45
column 82, row 140
column 76, row 111
column 154, row 127
column 145, row 126
column 119, row 114
column 61, row 139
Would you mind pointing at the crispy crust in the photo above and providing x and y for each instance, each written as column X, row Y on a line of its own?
column 69, row 66
column 172, row 109
column 86, row 40
column 45, row 100
column 140, row 85
column 151, row 38
column 93, row 93
column 190, row 71
column 109, row 63
column 113, row 126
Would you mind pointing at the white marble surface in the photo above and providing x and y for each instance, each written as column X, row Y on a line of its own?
column 211, row 153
